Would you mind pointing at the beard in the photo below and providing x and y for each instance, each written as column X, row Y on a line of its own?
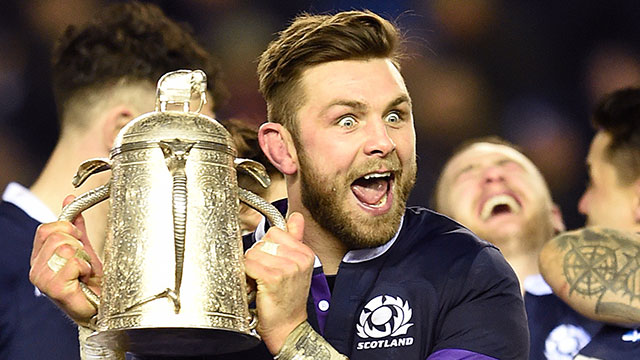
column 326, row 198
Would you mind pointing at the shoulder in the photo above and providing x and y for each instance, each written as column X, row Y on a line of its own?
column 14, row 224
column 17, row 230
column 13, row 216
column 420, row 222
column 432, row 245
column 438, row 235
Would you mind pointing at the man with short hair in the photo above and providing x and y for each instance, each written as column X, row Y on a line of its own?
column 104, row 75
column 356, row 274
column 595, row 269
column 491, row 187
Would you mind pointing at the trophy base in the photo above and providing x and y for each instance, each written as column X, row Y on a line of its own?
column 175, row 341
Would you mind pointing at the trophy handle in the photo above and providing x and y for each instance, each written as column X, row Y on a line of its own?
column 88, row 168
column 275, row 218
column 255, row 169
column 72, row 210
column 259, row 204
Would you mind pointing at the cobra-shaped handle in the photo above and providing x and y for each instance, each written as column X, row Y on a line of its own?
column 259, row 173
column 73, row 209
column 274, row 217
column 262, row 206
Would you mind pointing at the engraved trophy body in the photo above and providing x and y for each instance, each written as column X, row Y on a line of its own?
column 174, row 280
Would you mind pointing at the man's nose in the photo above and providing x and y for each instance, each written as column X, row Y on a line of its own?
column 378, row 141
column 493, row 174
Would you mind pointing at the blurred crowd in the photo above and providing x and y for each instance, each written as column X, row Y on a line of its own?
column 529, row 71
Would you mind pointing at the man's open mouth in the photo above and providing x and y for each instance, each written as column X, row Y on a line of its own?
column 498, row 205
column 373, row 189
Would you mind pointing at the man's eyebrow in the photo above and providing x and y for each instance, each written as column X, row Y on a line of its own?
column 359, row 106
column 462, row 171
column 356, row 105
column 399, row 100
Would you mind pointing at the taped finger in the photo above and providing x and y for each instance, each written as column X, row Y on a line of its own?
column 270, row 248
column 56, row 262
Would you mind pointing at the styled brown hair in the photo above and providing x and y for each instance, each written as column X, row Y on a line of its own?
column 316, row 39
column 618, row 114
column 127, row 41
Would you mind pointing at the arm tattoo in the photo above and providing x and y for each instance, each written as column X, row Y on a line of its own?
column 312, row 348
column 92, row 351
column 599, row 263
column 305, row 344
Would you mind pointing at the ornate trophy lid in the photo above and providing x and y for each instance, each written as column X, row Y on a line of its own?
column 173, row 117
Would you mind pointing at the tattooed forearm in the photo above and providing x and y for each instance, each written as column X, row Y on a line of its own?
column 600, row 271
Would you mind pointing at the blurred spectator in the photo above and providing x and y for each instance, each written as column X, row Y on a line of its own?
column 104, row 75
column 498, row 193
column 595, row 269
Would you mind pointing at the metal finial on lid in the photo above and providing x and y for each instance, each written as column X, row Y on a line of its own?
column 178, row 87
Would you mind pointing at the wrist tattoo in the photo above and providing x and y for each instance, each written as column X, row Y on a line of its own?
column 305, row 344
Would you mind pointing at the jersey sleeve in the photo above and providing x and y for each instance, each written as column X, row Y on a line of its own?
column 487, row 314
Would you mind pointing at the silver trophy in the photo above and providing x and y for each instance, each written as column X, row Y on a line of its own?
column 174, row 280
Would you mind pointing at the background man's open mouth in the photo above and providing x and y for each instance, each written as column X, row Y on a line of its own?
column 499, row 204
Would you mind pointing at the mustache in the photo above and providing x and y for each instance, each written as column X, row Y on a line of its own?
column 391, row 163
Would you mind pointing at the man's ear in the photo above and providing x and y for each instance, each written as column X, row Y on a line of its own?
column 113, row 121
column 556, row 219
column 277, row 144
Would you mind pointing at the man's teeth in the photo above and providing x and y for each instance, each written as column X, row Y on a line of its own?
column 377, row 175
column 497, row 200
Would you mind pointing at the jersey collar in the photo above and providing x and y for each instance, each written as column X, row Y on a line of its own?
column 361, row 255
column 21, row 197
column 535, row 284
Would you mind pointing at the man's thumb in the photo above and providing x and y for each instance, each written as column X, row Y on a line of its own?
column 295, row 226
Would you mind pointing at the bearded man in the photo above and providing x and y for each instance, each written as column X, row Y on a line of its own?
column 356, row 274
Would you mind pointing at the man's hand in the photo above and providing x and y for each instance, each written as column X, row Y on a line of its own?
column 55, row 247
column 281, row 266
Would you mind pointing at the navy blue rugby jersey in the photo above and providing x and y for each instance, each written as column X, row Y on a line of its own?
column 557, row 331
column 434, row 291
column 612, row 343
column 31, row 326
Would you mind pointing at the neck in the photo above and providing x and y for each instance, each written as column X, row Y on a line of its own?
column 524, row 264
column 277, row 190
column 54, row 184
column 521, row 248
column 329, row 249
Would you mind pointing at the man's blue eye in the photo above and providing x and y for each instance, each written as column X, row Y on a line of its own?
column 393, row 118
column 347, row 121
